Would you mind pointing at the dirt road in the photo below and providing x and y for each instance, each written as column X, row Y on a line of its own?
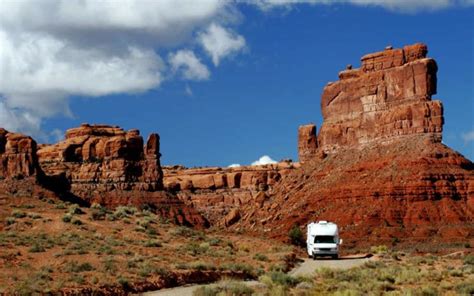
column 306, row 268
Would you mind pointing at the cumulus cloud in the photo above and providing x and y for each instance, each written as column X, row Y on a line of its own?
column 53, row 49
column 219, row 42
column 234, row 165
column 468, row 137
column 264, row 160
column 186, row 62
column 396, row 5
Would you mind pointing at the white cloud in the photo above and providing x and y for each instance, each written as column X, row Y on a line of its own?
column 186, row 62
column 220, row 42
column 398, row 5
column 264, row 160
column 234, row 165
column 468, row 137
column 53, row 49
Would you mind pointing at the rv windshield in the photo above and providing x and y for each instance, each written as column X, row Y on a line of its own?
column 324, row 239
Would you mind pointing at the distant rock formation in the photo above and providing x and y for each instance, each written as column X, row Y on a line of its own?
column 97, row 164
column 219, row 192
column 388, row 97
column 17, row 155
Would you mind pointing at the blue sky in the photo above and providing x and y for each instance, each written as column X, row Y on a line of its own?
column 251, row 102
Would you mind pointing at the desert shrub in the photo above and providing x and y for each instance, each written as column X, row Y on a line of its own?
column 18, row 214
column 152, row 244
column 10, row 221
column 196, row 249
column 238, row 267
column 106, row 249
column 98, row 212
column 214, row 241
column 36, row 248
column 469, row 260
column 284, row 279
column 202, row 266
column 109, row 265
column 260, row 257
column 465, row 288
column 146, row 268
column 77, row 278
column 382, row 249
column 124, row 282
column 188, row 232
column 74, row 266
column 296, row 236
column 76, row 221
column 75, row 210
column 34, row 216
column 224, row 288
column 60, row 206
column 124, row 212
column 67, row 218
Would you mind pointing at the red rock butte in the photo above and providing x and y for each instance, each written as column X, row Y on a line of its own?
column 376, row 167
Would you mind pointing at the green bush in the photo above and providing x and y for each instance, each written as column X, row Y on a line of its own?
column 296, row 236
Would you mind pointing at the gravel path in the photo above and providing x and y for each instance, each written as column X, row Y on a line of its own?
column 306, row 268
column 310, row 265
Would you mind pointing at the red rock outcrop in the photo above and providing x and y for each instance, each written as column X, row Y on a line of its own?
column 386, row 176
column 100, row 158
column 388, row 97
column 217, row 192
column 307, row 142
column 17, row 155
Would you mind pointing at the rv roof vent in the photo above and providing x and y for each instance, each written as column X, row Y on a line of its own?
column 323, row 222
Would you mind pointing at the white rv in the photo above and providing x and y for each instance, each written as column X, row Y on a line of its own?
column 323, row 239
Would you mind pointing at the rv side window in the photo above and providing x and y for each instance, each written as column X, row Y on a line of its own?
column 324, row 239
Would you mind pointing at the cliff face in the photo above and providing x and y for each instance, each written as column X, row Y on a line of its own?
column 380, row 169
column 17, row 155
column 218, row 193
column 100, row 158
column 388, row 97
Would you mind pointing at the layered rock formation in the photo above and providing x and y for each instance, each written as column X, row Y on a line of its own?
column 218, row 193
column 381, row 171
column 95, row 164
column 100, row 158
column 389, row 96
column 17, row 155
column 307, row 142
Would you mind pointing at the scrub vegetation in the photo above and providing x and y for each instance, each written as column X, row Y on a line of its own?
column 49, row 245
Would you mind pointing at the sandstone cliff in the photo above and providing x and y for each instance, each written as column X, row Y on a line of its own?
column 218, row 193
column 380, row 169
column 388, row 97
